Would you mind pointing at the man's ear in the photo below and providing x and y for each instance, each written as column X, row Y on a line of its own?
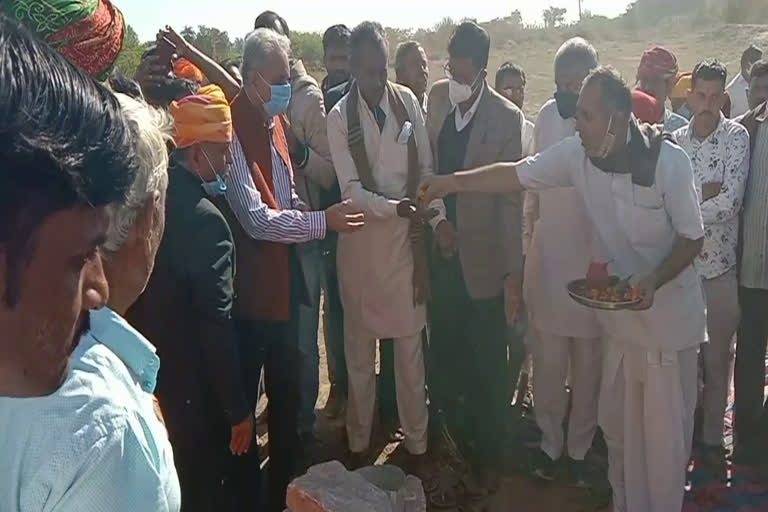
column 144, row 225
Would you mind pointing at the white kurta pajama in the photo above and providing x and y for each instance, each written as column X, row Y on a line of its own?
column 376, row 270
column 648, row 391
column 566, row 332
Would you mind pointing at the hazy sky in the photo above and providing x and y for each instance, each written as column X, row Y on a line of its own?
column 236, row 16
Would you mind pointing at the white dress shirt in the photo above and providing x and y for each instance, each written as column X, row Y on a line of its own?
column 462, row 120
column 637, row 228
column 723, row 157
column 737, row 90
column 527, row 138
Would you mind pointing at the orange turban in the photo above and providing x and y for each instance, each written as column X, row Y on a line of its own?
column 655, row 62
column 683, row 85
column 185, row 69
column 204, row 117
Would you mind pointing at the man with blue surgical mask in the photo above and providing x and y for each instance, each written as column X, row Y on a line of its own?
column 317, row 187
column 268, row 219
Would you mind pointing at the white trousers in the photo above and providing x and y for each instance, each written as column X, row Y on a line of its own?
column 551, row 358
column 647, row 401
column 722, row 321
column 360, row 353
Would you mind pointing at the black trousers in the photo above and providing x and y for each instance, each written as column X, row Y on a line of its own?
column 334, row 314
column 214, row 480
column 750, row 408
column 274, row 346
column 468, row 376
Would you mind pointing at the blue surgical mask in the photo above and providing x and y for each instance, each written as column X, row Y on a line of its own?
column 279, row 99
column 216, row 187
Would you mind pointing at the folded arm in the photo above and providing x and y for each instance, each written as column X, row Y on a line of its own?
column 727, row 204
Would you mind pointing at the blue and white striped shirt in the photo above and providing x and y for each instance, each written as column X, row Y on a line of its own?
column 291, row 223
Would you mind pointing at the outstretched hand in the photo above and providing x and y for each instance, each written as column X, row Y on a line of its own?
column 407, row 209
column 436, row 187
column 344, row 217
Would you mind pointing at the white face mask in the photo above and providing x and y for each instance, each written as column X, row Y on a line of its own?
column 458, row 93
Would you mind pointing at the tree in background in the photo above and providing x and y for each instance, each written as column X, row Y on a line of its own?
column 395, row 36
column 212, row 41
column 130, row 55
column 554, row 16
column 516, row 19
column 308, row 46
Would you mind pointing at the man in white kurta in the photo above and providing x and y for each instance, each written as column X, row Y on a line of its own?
column 738, row 87
column 376, row 265
column 648, row 225
column 566, row 333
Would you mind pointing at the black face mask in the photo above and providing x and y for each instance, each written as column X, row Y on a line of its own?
column 336, row 78
column 566, row 103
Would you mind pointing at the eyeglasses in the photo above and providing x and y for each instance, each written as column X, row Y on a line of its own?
column 514, row 91
column 447, row 70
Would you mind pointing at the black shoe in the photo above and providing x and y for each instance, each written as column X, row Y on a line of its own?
column 541, row 466
column 579, row 473
column 357, row 460
column 336, row 404
column 747, row 454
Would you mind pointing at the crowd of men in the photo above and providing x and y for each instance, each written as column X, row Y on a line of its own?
column 166, row 240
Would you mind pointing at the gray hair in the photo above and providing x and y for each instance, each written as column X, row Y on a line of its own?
column 577, row 51
column 260, row 45
column 152, row 131
column 402, row 50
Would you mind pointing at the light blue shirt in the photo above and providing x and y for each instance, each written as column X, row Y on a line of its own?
column 95, row 444
column 673, row 121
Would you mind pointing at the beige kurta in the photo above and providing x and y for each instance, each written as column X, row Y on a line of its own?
column 376, row 263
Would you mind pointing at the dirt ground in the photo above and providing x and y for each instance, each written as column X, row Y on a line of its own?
column 516, row 492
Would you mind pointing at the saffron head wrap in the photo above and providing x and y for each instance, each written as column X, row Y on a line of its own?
column 185, row 69
column 683, row 85
column 203, row 117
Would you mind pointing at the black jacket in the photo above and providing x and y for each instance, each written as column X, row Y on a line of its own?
column 186, row 313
